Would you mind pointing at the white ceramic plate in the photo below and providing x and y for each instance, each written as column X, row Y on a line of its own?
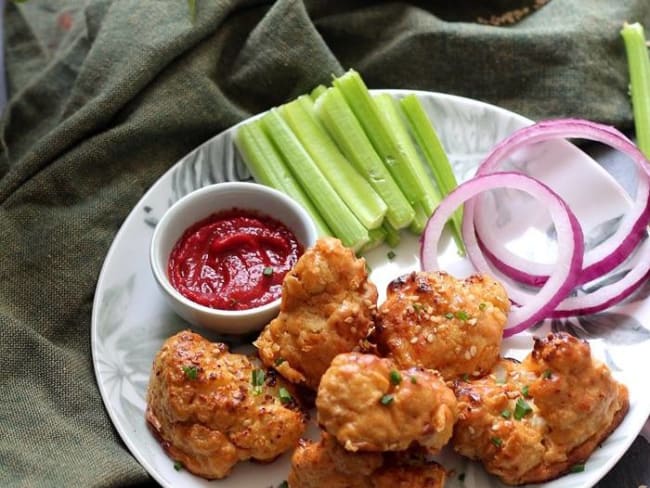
column 130, row 319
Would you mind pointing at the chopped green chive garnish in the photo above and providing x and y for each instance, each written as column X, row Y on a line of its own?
column 522, row 409
column 268, row 271
column 192, row 372
column 524, row 390
column 449, row 315
column 506, row 413
column 577, row 468
column 285, row 396
column 386, row 400
column 482, row 306
column 462, row 315
column 547, row 374
column 496, row 441
column 395, row 377
column 465, row 377
column 391, row 255
column 414, row 380
column 257, row 380
column 417, row 307
column 178, row 465
column 279, row 361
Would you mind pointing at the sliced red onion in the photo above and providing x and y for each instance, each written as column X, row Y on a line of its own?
column 601, row 299
column 602, row 258
column 570, row 244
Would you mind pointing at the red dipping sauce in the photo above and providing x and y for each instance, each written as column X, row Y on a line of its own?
column 233, row 260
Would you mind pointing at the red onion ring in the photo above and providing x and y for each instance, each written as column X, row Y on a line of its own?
column 602, row 258
column 609, row 295
column 570, row 244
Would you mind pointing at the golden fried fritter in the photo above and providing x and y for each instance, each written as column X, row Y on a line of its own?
column 326, row 463
column 436, row 321
column 532, row 421
column 211, row 409
column 328, row 307
column 369, row 405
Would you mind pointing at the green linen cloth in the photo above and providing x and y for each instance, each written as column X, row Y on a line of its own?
column 106, row 95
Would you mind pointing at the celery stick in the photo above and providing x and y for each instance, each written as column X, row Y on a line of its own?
column 267, row 167
column 639, row 68
column 336, row 214
column 332, row 109
column 392, row 235
column 377, row 237
column 420, row 220
column 435, row 155
column 392, row 117
column 382, row 135
column 351, row 187
column 317, row 92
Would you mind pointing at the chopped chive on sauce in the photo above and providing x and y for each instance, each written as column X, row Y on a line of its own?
column 496, row 441
column 462, row 315
column 482, row 306
column 386, row 399
column 414, row 380
column 449, row 315
column 417, row 307
column 268, row 271
column 279, row 361
column 391, row 255
column 524, row 390
column 178, row 465
column 522, row 409
column 285, row 396
column 577, row 468
column 395, row 377
column 192, row 372
column 506, row 413
column 257, row 380
column 547, row 374
column 465, row 377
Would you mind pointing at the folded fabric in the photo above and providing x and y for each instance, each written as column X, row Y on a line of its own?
column 104, row 96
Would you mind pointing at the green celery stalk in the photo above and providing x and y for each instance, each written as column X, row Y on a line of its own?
column 339, row 120
column 336, row 214
column 392, row 118
column 377, row 237
column 351, row 187
column 317, row 92
column 392, row 235
column 268, row 168
column 420, row 220
column 639, row 68
column 382, row 135
column 435, row 155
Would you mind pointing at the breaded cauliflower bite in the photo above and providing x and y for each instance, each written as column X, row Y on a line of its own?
column 326, row 463
column 211, row 408
column 328, row 307
column 436, row 321
column 531, row 422
column 368, row 404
